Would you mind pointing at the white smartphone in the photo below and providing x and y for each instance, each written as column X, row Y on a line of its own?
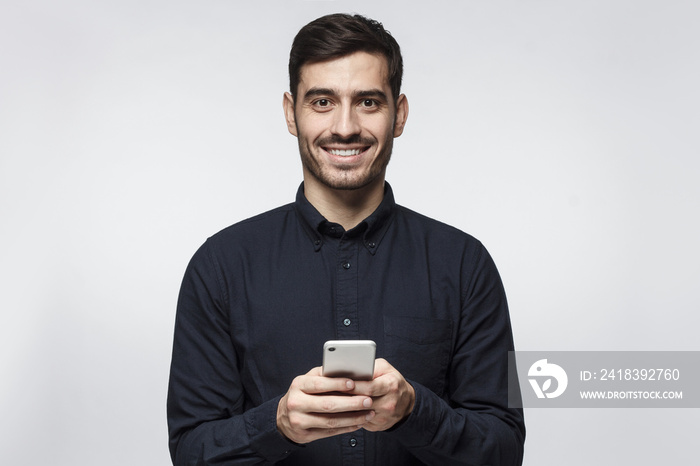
column 353, row 359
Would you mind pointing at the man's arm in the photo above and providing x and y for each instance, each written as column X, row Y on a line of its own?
column 472, row 425
column 206, row 398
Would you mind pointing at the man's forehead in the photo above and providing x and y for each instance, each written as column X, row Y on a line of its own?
column 357, row 67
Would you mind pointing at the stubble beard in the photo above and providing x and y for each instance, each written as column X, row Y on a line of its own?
column 344, row 178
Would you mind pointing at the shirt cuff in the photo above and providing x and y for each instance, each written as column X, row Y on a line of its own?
column 265, row 438
column 419, row 428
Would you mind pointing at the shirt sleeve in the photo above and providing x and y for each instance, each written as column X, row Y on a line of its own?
column 206, row 419
column 472, row 425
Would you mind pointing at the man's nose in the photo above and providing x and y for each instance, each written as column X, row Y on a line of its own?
column 346, row 122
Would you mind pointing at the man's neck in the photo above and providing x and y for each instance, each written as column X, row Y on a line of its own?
column 347, row 207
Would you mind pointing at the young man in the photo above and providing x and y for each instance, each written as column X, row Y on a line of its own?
column 342, row 262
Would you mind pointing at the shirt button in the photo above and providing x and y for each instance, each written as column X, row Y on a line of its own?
column 353, row 442
column 347, row 322
column 346, row 265
column 372, row 244
column 317, row 242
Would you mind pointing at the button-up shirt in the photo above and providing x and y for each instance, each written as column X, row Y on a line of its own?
column 260, row 298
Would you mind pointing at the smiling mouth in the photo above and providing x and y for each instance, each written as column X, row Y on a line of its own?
column 346, row 152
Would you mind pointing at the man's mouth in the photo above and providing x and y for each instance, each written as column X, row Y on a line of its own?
column 346, row 152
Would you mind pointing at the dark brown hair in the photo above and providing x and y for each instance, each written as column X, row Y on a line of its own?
column 338, row 35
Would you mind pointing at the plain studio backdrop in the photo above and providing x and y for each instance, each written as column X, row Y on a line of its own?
column 563, row 134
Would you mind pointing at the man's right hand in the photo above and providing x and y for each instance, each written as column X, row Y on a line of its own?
column 316, row 407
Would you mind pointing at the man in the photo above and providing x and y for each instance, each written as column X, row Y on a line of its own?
column 342, row 262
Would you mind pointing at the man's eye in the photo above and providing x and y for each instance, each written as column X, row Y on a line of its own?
column 322, row 103
column 368, row 103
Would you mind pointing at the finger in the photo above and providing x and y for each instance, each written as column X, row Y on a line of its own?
column 330, row 404
column 379, row 385
column 372, row 388
column 375, row 388
column 381, row 367
column 382, row 417
column 314, row 384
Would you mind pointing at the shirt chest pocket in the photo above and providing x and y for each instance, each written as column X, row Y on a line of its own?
column 420, row 349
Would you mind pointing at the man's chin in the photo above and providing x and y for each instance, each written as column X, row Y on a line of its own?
column 346, row 183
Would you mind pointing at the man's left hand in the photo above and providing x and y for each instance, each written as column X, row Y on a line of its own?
column 393, row 397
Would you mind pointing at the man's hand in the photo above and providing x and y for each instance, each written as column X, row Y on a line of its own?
column 393, row 397
column 316, row 407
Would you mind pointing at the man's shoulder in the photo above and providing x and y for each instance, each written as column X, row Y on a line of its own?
column 260, row 224
column 417, row 222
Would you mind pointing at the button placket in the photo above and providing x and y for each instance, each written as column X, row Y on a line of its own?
column 346, row 291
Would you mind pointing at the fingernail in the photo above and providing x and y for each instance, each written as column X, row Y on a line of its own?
column 350, row 384
column 369, row 416
column 367, row 403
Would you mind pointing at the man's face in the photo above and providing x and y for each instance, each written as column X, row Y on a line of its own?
column 345, row 119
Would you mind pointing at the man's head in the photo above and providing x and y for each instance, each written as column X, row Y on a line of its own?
column 338, row 35
column 346, row 109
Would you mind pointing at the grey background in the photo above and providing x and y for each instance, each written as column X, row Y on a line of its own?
column 563, row 134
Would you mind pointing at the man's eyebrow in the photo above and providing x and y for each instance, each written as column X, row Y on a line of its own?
column 375, row 93
column 319, row 91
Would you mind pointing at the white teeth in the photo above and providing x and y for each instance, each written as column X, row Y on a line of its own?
column 345, row 153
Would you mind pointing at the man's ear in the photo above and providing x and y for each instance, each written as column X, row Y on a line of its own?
column 288, row 106
column 401, row 115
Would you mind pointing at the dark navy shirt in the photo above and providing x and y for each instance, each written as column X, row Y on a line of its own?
column 261, row 297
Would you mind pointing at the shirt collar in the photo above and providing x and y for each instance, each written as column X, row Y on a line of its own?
column 372, row 229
